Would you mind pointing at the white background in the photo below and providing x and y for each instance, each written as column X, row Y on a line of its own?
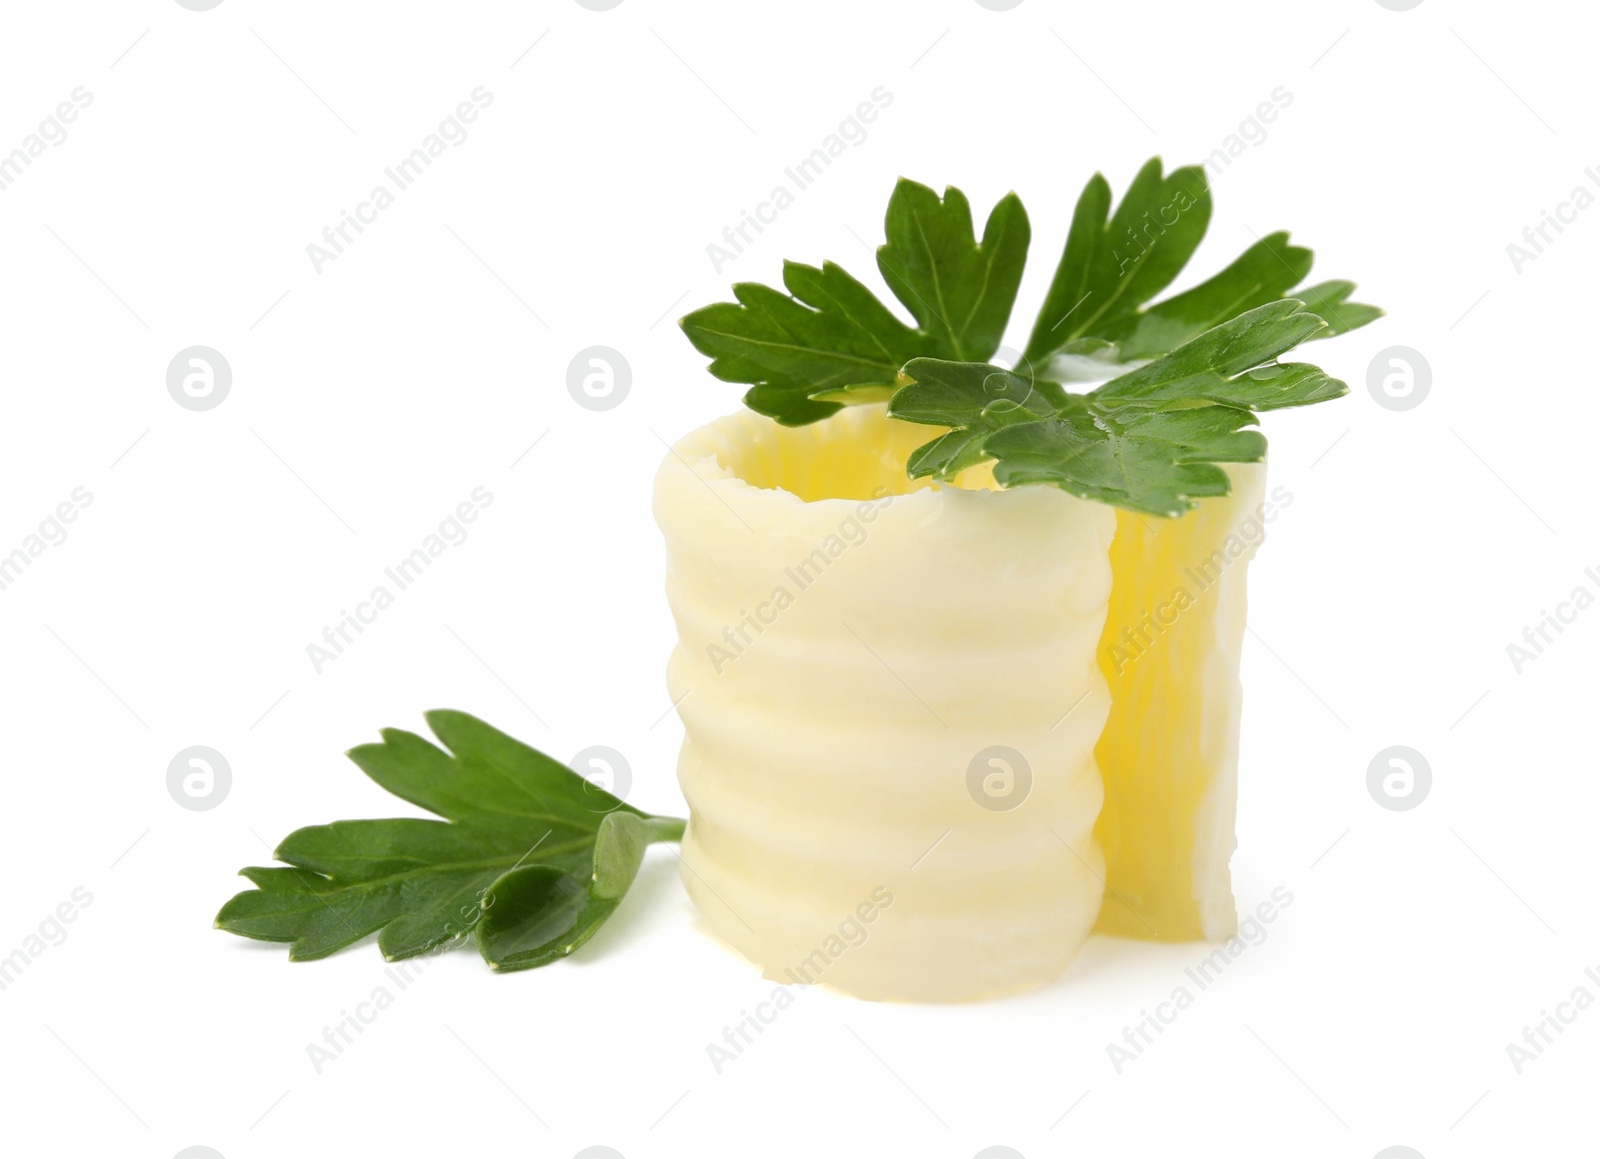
column 372, row 397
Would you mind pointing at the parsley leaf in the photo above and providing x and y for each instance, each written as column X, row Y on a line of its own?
column 1115, row 262
column 828, row 333
column 975, row 398
column 960, row 291
column 1329, row 300
column 529, row 856
column 1149, row 440
column 829, row 339
column 1262, row 273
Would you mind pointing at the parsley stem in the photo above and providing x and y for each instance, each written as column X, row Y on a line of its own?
column 666, row 828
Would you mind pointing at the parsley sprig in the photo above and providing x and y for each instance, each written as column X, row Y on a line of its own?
column 529, row 859
column 1150, row 439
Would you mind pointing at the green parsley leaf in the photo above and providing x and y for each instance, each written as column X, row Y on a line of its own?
column 529, row 855
column 1329, row 300
column 974, row 397
column 1207, row 366
column 828, row 333
column 1186, row 373
column 829, row 340
column 1149, row 440
column 959, row 291
column 536, row 913
column 1156, row 463
column 1261, row 274
column 1113, row 263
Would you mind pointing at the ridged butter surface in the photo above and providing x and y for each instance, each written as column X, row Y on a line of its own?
column 849, row 644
